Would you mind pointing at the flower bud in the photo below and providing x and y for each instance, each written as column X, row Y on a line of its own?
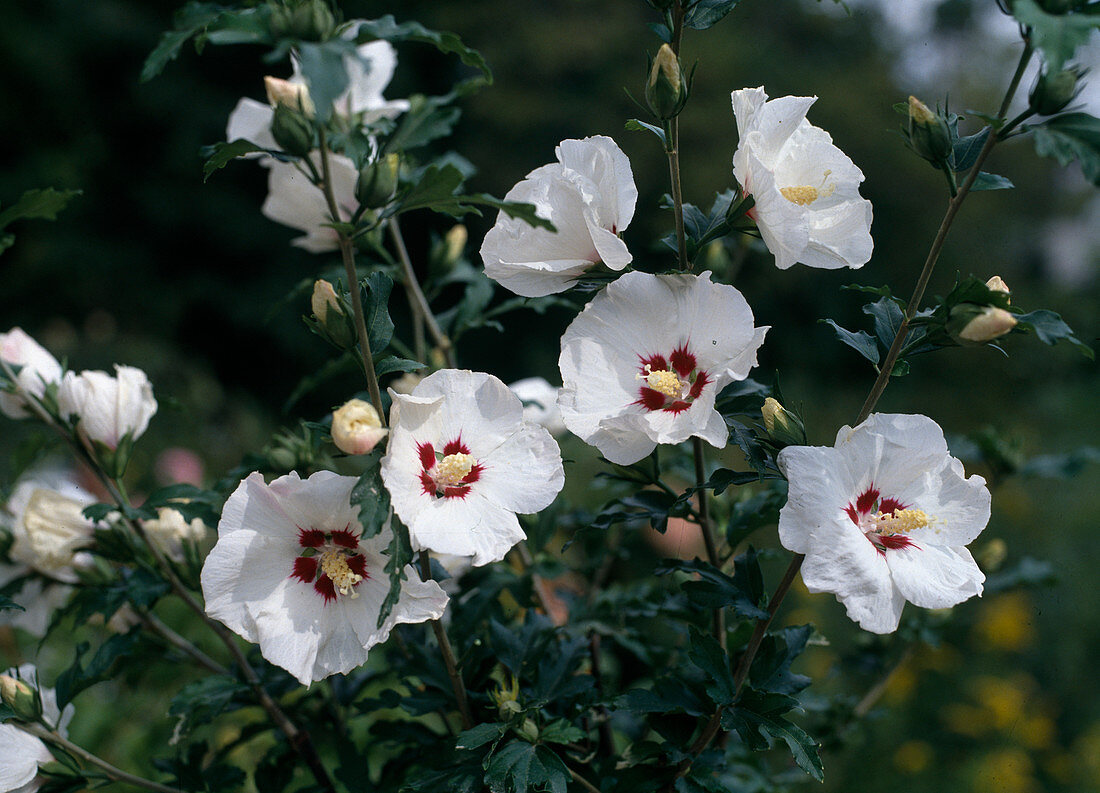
column 529, row 730
column 21, row 698
column 291, row 95
column 108, row 409
column 455, row 241
column 356, row 427
column 292, row 131
column 666, row 90
column 311, row 20
column 928, row 132
column 979, row 324
column 378, row 181
column 36, row 369
column 784, row 427
column 997, row 284
column 331, row 315
column 1052, row 92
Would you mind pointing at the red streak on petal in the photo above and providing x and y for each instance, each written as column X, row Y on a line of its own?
column 697, row 387
column 427, row 483
column 889, row 506
column 656, row 363
column 678, row 407
column 896, row 541
column 852, row 514
column 311, row 538
column 427, row 455
column 650, row 399
column 866, row 502
column 458, row 491
column 683, row 361
column 345, row 538
column 474, row 475
column 305, row 569
column 358, row 565
column 456, row 447
column 325, row 588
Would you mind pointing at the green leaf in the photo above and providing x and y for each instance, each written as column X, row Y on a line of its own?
column 400, row 554
column 771, row 669
column 480, row 735
column 756, row 719
column 561, row 731
column 861, row 341
column 521, row 766
column 991, row 181
column 325, row 72
column 709, row 656
column 224, row 152
column 78, row 677
column 372, row 499
column 204, row 700
column 1050, row 329
column 634, row 125
column 1057, row 35
column 376, row 310
column 391, row 364
column 645, row 506
column 38, row 204
column 191, row 20
column 964, row 151
column 714, row 589
column 386, row 28
column 887, row 316
column 428, row 118
column 1069, row 137
column 705, row 13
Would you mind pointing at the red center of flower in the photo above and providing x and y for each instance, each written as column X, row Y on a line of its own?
column 330, row 561
column 885, row 522
column 448, row 474
column 670, row 384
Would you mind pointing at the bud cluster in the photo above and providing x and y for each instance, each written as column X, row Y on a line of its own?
column 311, row 20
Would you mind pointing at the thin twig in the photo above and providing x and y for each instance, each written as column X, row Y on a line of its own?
column 154, row 624
column 417, row 300
column 719, row 627
column 875, row 692
column 453, row 672
column 114, row 773
column 347, row 253
column 584, row 783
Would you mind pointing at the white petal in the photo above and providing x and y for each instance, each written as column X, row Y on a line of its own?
column 935, row 576
column 20, row 755
column 251, row 121
column 524, row 474
column 470, row 526
column 746, row 103
column 601, row 160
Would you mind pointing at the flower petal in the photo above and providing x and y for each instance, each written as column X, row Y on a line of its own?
column 935, row 576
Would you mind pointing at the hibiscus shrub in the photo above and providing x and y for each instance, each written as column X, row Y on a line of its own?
column 417, row 592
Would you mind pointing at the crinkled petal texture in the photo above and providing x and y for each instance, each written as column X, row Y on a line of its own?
column 589, row 196
column 251, row 121
column 847, row 512
column 699, row 334
column 462, row 462
column 256, row 582
column 37, row 369
column 296, row 202
column 108, row 408
column 806, row 190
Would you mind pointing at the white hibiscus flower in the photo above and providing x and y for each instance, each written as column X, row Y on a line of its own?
column 37, row 369
column 644, row 361
column 462, row 462
column 293, row 200
column 20, row 753
column 540, row 403
column 883, row 517
column 292, row 573
column 808, row 207
column 251, row 120
column 108, row 408
column 589, row 196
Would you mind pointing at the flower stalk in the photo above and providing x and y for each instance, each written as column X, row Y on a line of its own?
column 453, row 672
column 422, row 312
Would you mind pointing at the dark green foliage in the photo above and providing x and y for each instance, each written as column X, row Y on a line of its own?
column 520, row 766
column 758, row 720
column 101, row 666
column 1057, row 35
column 370, row 496
column 40, row 204
column 743, row 592
column 400, row 554
column 1069, row 137
column 199, row 703
column 702, row 14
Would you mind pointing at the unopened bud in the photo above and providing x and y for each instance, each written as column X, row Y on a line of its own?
column 666, row 90
column 311, row 20
column 291, row 95
column 1053, row 91
column 330, row 314
column 784, row 427
column 997, row 284
column 529, row 730
column 356, row 427
column 21, row 698
column 292, row 131
column 928, row 132
column 455, row 241
column 979, row 324
column 378, row 181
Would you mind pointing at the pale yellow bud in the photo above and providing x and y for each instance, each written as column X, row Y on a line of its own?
column 997, row 284
column 324, row 300
column 991, row 323
column 771, row 411
column 784, row 427
column 456, row 243
column 920, row 113
column 356, row 427
column 293, row 96
column 20, row 697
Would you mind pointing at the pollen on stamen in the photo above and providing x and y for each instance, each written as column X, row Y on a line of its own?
column 903, row 521
column 803, row 194
column 663, row 381
column 453, row 468
column 334, row 564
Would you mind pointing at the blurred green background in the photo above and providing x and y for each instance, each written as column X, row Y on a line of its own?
column 154, row 268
